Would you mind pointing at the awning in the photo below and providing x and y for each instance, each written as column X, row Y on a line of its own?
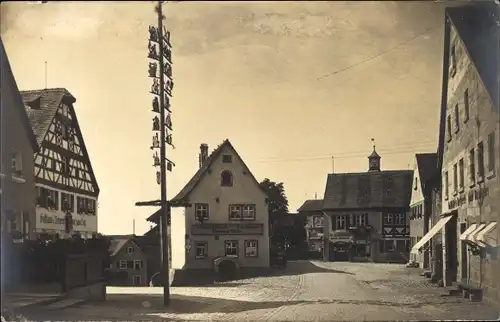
column 434, row 230
column 472, row 236
column 468, row 231
column 482, row 236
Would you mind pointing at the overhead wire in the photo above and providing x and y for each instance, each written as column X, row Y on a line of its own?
column 427, row 146
column 425, row 32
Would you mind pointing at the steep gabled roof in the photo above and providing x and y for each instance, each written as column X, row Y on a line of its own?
column 313, row 205
column 8, row 78
column 41, row 106
column 188, row 188
column 367, row 190
column 477, row 27
column 427, row 166
column 118, row 242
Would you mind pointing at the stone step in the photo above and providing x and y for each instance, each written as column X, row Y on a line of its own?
column 64, row 304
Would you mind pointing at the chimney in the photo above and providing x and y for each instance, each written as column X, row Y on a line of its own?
column 203, row 153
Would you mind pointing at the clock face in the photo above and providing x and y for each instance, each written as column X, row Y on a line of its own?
column 373, row 163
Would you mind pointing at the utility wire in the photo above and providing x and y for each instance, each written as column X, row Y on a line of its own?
column 399, row 146
column 379, row 54
column 352, row 155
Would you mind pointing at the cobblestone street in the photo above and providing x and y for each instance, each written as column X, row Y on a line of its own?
column 305, row 291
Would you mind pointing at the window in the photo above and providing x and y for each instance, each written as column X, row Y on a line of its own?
column 399, row 219
column 249, row 212
column 17, row 163
column 65, row 165
column 401, row 246
column 231, row 248
column 201, row 211
column 137, row 280
column 226, row 179
column 130, row 250
column 466, row 106
column 201, row 250
column 388, row 219
column 457, row 118
column 461, row 174
column 90, row 206
column 386, row 246
column 67, row 202
column 227, row 158
column 251, row 248
column 448, row 126
column 81, row 205
column 453, row 61
column 52, row 199
column 234, row 212
column 416, row 184
column 480, row 161
column 360, row 220
column 340, row 222
column 317, row 221
column 123, row 264
column 137, row 265
column 472, row 167
column 388, row 192
column 446, row 184
column 455, row 178
column 491, row 152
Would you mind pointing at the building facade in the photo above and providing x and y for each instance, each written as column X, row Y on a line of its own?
column 313, row 210
column 367, row 214
column 421, row 204
column 128, row 257
column 471, row 149
column 67, row 190
column 17, row 146
column 227, row 219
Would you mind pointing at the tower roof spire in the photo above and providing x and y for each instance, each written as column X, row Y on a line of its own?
column 374, row 159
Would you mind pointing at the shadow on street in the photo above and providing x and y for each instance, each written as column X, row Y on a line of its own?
column 295, row 268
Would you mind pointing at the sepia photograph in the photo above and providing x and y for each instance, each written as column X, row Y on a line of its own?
column 250, row 160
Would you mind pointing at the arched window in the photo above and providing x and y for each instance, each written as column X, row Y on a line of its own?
column 226, row 179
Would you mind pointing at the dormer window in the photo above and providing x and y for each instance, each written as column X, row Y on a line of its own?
column 227, row 158
column 226, row 179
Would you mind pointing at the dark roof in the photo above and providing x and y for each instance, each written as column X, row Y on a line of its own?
column 374, row 155
column 119, row 241
column 477, row 27
column 8, row 78
column 184, row 193
column 313, row 205
column 367, row 190
column 426, row 165
column 42, row 106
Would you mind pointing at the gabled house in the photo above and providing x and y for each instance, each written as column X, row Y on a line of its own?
column 313, row 210
column 468, row 150
column 128, row 258
column 421, row 204
column 367, row 214
column 227, row 220
column 17, row 144
column 67, row 189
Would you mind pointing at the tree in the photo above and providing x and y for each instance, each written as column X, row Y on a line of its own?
column 278, row 208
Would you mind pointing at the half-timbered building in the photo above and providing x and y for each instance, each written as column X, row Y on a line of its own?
column 67, row 189
column 366, row 214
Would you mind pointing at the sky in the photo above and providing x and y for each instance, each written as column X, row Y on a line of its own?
column 290, row 84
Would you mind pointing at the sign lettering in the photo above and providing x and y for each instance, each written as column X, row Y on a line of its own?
column 56, row 220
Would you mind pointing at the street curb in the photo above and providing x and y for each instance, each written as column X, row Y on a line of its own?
column 40, row 303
